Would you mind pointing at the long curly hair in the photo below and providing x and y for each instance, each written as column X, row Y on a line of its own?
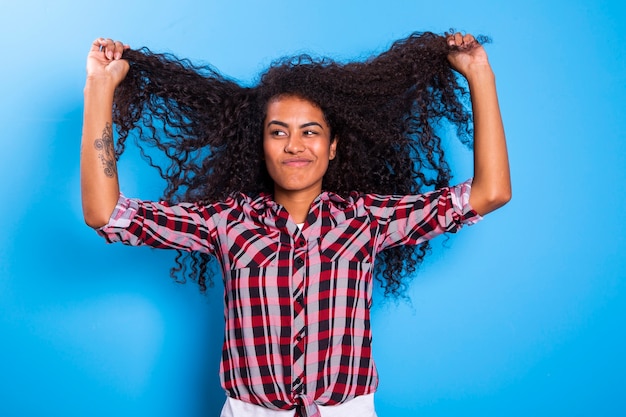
column 388, row 112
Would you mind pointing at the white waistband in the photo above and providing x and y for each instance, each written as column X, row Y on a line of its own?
column 362, row 406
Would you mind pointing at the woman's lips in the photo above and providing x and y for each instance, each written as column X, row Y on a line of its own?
column 297, row 162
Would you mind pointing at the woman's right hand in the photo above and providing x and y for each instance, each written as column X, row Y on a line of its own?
column 105, row 63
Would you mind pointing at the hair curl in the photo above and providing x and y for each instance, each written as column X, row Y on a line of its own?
column 386, row 111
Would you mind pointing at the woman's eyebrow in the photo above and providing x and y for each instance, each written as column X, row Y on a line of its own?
column 276, row 122
column 283, row 124
column 312, row 124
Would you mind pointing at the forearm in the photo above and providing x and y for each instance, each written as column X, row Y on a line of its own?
column 491, row 187
column 99, row 181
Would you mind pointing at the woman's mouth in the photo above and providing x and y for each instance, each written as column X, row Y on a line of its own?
column 297, row 162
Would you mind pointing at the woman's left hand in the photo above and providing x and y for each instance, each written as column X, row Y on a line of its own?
column 466, row 54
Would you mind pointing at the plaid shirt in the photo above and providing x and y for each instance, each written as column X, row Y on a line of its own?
column 297, row 301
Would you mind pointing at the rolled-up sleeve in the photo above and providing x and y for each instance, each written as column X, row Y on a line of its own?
column 458, row 211
column 184, row 226
column 412, row 219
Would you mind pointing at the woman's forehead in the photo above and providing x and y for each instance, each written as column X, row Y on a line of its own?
column 290, row 106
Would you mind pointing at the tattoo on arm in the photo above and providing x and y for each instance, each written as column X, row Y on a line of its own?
column 106, row 151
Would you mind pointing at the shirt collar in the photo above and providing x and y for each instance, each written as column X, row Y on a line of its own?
column 266, row 201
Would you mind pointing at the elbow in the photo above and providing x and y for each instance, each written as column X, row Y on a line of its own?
column 500, row 199
column 497, row 200
column 98, row 209
column 96, row 218
column 95, row 222
column 492, row 201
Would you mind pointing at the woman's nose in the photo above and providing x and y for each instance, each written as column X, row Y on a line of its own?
column 294, row 145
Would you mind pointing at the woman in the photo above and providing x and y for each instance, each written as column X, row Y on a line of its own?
column 296, row 186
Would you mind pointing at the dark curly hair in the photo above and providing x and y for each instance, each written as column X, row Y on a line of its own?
column 388, row 113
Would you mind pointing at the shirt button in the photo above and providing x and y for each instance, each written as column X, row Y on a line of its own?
column 300, row 300
column 301, row 334
column 301, row 243
column 299, row 262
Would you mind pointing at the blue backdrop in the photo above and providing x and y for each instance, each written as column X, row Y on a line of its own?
column 521, row 315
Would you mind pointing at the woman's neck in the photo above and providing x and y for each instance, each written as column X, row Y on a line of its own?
column 297, row 203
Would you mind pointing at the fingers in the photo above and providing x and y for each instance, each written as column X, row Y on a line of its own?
column 112, row 49
column 460, row 41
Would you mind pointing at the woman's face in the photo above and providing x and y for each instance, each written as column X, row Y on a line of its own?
column 297, row 145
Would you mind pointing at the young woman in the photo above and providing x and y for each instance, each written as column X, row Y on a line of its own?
column 298, row 186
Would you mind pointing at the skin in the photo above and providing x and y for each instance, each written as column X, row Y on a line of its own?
column 99, row 183
column 297, row 148
column 491, row 187
column 296, row 139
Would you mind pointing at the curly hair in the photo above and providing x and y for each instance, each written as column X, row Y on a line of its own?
column 388, row 113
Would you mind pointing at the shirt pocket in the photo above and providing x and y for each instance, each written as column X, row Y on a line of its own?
column 255, row 248
column 348, row 242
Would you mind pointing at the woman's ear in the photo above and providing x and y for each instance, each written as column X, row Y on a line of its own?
column 333, row 148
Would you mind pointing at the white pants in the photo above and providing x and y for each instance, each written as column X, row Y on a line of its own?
column 362, row 406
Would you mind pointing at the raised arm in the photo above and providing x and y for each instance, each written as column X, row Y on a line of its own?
column 99, row 183
column 491, row 187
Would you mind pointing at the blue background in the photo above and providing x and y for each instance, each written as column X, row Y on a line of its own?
column 521, row 315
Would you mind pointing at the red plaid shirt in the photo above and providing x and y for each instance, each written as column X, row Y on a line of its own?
column 297, row 302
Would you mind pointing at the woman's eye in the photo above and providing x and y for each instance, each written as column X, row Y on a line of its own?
column 310, row 132
column 277, row 133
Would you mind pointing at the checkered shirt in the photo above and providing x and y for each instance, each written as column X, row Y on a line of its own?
column 297, row 301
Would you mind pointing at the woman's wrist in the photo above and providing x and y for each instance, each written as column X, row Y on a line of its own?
column 99, row 85
column 479, row 73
